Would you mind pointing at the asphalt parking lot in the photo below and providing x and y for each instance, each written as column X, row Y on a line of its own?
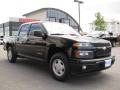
column 26, row 75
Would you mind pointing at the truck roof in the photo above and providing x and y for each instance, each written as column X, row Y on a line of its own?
column 40, row 22
column 33, row 22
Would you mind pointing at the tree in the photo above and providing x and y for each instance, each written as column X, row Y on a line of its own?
column 99, row 23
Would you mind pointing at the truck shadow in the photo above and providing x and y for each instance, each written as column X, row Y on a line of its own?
column 42, row 69
column 89, row 78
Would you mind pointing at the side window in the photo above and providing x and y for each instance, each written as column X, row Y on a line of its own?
column 24, row 30
column 34, row 27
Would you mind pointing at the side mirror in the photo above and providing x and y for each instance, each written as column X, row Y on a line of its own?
column 38, row 33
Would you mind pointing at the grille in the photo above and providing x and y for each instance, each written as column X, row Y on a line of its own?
column 101, row 44
column 100, row 52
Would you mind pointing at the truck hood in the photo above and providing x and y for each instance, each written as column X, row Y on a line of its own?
column 84, row 39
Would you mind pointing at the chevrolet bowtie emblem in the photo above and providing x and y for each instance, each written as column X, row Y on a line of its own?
column 104, row 48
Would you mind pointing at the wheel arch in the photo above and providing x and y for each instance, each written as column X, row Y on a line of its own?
column 52, row 50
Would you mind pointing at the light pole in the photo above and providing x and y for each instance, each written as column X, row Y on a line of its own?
column 79, row 2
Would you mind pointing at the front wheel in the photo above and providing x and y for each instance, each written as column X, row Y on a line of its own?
column 59, row 66
column 11, row 55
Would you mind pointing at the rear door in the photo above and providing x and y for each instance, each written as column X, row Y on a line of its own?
column 21, row 40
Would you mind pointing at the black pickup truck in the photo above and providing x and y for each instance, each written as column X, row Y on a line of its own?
column 61, row 47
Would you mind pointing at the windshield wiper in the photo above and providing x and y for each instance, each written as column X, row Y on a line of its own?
column 73, row 34
column 63, row 34
column 57, row 34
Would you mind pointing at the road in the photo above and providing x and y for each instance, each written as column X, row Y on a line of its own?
column 26, row 75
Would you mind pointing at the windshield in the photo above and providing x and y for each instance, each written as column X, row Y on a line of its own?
column 54, row 28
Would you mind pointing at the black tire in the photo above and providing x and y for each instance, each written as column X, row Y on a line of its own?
column 64, row 63
column 11, row 55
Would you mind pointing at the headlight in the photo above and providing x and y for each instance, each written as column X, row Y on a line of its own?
column 82, row 44
column 83, row 54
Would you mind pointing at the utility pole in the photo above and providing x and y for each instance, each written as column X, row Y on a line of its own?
column 79, row 2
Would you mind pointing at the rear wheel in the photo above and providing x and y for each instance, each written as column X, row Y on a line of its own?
column 11, row 55
column 59, row 66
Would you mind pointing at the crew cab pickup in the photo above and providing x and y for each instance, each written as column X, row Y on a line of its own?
column 61, row 47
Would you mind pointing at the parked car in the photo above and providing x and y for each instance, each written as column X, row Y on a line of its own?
column 110, row 37
column 105, row 35
column 61, row 47
column 1, row 39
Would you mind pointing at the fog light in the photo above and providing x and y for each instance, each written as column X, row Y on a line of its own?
column 84, row 67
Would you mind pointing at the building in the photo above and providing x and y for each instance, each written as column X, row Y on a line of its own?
column 111, row 26
column 11, row 27
column 53, row 14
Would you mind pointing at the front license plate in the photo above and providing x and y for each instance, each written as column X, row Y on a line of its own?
column 107, row 63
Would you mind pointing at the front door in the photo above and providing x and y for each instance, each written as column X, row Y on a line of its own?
column 36, row 44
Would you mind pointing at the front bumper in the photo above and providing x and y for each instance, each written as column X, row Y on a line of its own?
column 91, row 64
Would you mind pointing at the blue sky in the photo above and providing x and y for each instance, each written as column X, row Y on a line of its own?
column 108, row 8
